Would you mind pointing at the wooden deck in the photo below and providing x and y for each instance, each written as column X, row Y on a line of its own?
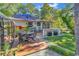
column 31, row 48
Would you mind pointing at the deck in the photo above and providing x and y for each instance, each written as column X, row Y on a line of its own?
column 31, row 48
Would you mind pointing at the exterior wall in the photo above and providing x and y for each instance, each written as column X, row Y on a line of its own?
column 43, row 26
column 19, row 23
column 45, row 31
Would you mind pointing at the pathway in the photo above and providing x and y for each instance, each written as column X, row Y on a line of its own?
column 45, row 52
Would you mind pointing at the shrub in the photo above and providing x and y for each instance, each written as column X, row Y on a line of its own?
column 66, row 41
column 62, row 51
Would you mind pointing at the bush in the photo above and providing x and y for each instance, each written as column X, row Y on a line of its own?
column 62, row 51
column 66, row 41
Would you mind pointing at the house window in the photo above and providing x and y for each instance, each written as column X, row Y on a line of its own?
column 49, row 34
column 48, row 25
column 30, row 24
column 44, row 25
column 38, row 23
column 55, row 33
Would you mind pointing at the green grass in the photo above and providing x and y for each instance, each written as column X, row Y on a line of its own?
column 66, row 41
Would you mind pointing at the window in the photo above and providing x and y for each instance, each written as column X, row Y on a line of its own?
column 30, row 24
column 48, row 25
column 49, row 34
column 38, row 23
column 44, row 25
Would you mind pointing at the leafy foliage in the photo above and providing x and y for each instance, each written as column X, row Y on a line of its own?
column 60, row 19
column 64, row 43
column 32, row 9
column 67, row 17
column 10, row 9
column 46, row 12
column 62, row 51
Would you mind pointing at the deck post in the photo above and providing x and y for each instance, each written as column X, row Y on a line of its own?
column 41, row 25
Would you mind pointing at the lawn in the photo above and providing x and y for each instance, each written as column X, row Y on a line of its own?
column 65, row 44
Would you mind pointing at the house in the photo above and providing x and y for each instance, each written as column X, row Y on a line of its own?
column 44, row 27
column 20, row 21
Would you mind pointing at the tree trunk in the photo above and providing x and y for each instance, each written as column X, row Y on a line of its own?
column 1, row 34
column 76, row 17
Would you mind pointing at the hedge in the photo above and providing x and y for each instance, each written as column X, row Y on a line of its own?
column 62, row 51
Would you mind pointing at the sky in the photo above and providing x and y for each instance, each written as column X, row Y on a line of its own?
column 54, row 5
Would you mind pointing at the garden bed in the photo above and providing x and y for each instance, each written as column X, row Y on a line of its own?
column 66, row 41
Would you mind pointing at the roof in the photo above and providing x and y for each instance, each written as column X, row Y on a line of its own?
column 25, row 16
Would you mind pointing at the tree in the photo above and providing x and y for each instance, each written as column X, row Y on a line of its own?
column 5, row 9
column 76, row 19
column 37, row 13
column 10, row 9
column 3, row 6
column 57, row 20
column 46, row 12
column 22, row 9
column 66, row 15
column 30, row 7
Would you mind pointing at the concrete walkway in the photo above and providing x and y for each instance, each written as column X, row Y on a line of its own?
column 45, row 52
